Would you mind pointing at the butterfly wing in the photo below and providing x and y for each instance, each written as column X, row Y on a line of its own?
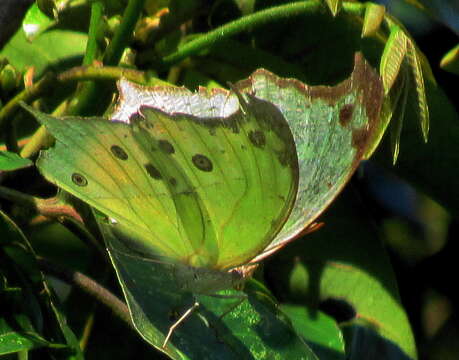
column 333, row 129
column 180, row 185
column 100, row 163
column 242, row 168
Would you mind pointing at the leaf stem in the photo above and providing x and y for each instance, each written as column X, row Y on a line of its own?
column 243, row 24
column 95, row 22
column 123, row 33
column 87, row 90
column 90, row 287
column 18, row 197
column 94, row 97
column 109, row 73
column 250, row 22
column 27, row 95
column 52, row 207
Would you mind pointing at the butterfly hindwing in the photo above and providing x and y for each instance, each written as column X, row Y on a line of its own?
column 240, row 167
column 100, row 163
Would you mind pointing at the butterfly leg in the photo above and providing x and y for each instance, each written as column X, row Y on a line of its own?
column 178, row 322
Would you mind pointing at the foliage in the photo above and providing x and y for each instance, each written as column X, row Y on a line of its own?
column 340, row 292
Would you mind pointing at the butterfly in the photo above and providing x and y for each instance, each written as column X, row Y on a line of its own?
column 213, row 182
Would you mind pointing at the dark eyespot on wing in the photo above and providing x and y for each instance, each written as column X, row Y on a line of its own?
column 79, row 179
column 166, row 146
column 202, row 162
column 119, row 152
column 173, row 181
column 345, row 114
column 285, row 158
column 257, row 138
column 153, row 172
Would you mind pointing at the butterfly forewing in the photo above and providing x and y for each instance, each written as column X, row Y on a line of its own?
column 333, row 127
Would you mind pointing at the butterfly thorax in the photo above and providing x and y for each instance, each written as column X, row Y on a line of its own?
column 207, row 281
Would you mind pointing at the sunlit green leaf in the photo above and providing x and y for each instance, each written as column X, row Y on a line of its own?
column 11, row 161
column 374, row 16
column 392, row 57
column 351, row 272
column 46, row 51
column 419, row 93
column 35, row 22
column 334, row 6
column 398, row 98
column 319, row 330
column 419, row 69
column 450, row 61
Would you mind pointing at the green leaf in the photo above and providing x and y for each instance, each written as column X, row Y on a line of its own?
column 416, row 61
column 47, row 50
column 29, row 302
column 374, row 16
column 350, row 271
column 403, row 47
column 334, row 6
column 450, row 61
column 392, row 58
column 10, row 161
column 319, row 330
column 439, row 152
column 36, row 22
column 251, row 326
column 12, row 341
column 395, row 105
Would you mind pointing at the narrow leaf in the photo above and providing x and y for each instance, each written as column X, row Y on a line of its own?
column 13, row 341
column 334, row 6
column 450, row 62
column 425, row 66
column 416, row 4
column 415, row 61
column 392, row 58
column 374, row 15
column 10, row 161
column 399, row 100
column 37, row 302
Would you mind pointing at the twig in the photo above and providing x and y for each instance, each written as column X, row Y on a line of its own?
column 89, row 286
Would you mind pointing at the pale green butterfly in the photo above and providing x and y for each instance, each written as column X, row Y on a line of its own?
column 212, row 183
